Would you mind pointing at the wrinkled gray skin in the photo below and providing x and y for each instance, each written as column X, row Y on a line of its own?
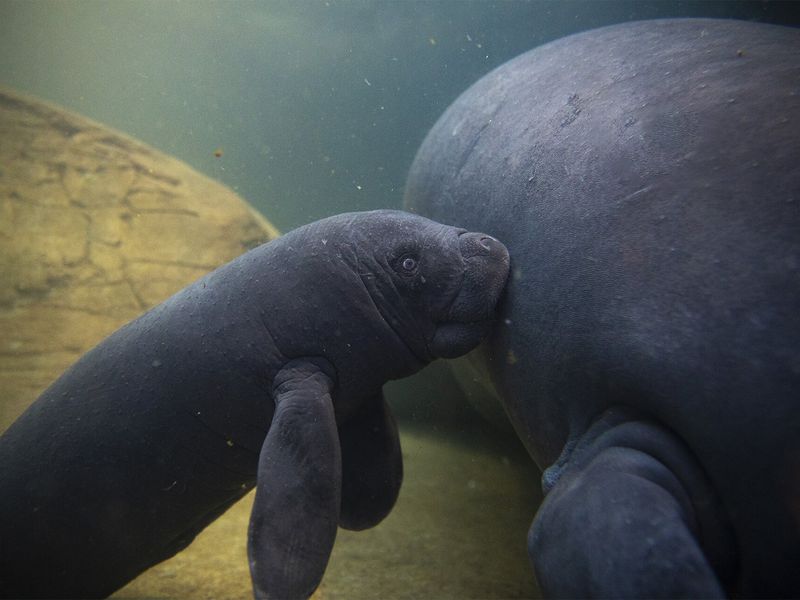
column 645, row 178
column 281, row 354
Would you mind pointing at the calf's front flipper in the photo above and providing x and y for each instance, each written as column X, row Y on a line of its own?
column 296, row 509
column 372, row 465
column 630, row 515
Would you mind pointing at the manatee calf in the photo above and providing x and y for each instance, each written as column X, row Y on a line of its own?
column 266, row 372
column 645, row 178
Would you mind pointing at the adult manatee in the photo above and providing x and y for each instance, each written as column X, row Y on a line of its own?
column 267, row 370
column 645, row 178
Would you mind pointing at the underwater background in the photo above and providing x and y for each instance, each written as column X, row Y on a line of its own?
column 316, row 107
column 307, row 109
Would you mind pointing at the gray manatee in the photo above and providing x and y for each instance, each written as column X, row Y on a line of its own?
column 266, row 372
column 645, row 178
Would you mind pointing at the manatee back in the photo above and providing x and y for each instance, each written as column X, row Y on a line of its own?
column 644, row 179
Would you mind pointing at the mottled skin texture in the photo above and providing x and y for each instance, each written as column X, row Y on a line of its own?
column 645, row 180
column 267, row 372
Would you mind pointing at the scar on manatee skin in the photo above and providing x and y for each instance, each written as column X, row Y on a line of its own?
column 740, row 53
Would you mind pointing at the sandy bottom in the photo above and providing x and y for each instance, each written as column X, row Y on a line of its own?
column 458, row 531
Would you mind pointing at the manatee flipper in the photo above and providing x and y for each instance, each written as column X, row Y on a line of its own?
column 296, row 509
column 631, row 515
column 372, row 465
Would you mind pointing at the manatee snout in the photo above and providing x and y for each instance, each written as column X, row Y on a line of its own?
column 479, row 244
column 486, row 264
column 485, row 275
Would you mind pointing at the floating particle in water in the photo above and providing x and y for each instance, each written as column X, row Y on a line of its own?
column 511, row 358
column 218, row 152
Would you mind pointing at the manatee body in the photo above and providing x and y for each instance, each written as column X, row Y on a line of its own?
column 645, row 178
column 267, row 372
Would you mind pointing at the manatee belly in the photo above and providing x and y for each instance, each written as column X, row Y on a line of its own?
column 644, row 179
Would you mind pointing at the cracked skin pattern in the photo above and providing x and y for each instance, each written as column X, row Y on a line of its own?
column 95, row 228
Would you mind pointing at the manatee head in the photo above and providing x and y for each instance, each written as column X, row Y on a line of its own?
column 382, row 293
column 435, row 286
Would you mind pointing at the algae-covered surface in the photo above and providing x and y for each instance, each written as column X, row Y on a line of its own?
column 458, row 531
column 95, row 228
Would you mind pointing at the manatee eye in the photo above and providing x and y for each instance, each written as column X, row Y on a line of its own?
column 407, row 264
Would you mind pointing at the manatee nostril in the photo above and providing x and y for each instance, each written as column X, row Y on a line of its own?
column 480, row 244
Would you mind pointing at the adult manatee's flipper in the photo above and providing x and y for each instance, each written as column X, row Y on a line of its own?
column 372, row 465
column 630, row 515
column 296, row 509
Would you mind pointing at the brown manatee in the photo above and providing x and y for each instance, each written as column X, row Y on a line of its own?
column 267, row 372
column 645, row 178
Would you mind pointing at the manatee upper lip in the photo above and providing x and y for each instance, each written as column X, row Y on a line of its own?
column 482, row 247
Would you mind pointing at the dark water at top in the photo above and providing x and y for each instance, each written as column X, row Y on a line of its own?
column 317, row 107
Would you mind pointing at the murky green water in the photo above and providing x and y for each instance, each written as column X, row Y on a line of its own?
column 318, row 107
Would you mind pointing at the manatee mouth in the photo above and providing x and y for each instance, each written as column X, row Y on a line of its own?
column 470, row 315
column 456, row 339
